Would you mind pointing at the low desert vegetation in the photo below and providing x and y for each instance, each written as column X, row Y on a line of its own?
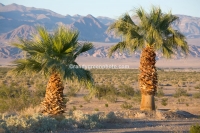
column 195, row 128
column 164, row 101
column 180, row 92
column 21, row 96
column 16, row 123
column 111, row 85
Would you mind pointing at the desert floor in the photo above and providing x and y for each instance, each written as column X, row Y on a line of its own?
column 177, row 116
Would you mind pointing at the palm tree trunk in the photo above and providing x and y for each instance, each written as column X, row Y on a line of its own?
column 148, row 78
column 53, row 103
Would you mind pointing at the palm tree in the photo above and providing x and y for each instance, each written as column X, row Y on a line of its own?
column 153, row 33
column 53, row 55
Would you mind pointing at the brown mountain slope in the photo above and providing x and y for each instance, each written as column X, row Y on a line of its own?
column 24, row 31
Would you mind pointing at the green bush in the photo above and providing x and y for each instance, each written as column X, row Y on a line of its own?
column 107, row 92
column 68, row 123
column 72, row 90
column 196, row 95
column 17, row 98
column 106, row 105
column 96, row 109
column 90, row 121
column 197, row 87
column 164, row 101
column 180, row 92
column 40, row 90
column 36, row 123
column 103, row 90
column 160, row 92
column 74, row 108
column 111, row 98
column 195, row 128
column 112, row 118
column 126, row 91
column 126, row 105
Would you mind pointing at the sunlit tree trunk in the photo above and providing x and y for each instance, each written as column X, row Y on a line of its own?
column 148, row 78
column 53, row 103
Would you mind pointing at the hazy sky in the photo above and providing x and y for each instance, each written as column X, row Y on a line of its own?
column 110, row 8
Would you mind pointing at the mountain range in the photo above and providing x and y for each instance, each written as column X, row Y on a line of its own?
column 20, row 21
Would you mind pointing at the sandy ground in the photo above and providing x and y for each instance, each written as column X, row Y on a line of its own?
column 175, row 117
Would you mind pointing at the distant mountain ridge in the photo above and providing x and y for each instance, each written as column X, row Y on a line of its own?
column 20, row 21
column 99, row 51
column 92, row 29
column 23, row 31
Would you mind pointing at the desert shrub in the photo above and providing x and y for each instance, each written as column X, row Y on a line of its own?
column 74, row 108
column 160, row 92
column 111, row 98
column 39, row 123
column 114, row 117
column 180, row 92
column 36, row 123
column 111, row 117
column 40, row 90
column 137, row 94
column 164, row 101
column 96, row 109
column 196, row 95
column 87, row 121
column 68, row 123
column 126, row 91
column 195, row 128
column 106, row 105
column 126, row 105
column 43, row 123
column 72, row 90
column 87, row 98
column 106, row 92
column 17, row 98
column 136, row 97
column 197, row 86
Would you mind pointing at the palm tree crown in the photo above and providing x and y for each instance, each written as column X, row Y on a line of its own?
column 154, row 30
column 53, row 52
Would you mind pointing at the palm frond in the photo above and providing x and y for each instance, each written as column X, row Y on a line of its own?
column 52, row 52
column 27, row 66
column 123, row 25
column 78, row 73
column 119, row 46
column 166, row 21
column 143, row 16
column 167, row 50
column 65, row 39
column 83, row 48
column 45, row 37
column 155, row 15
column 179, row 42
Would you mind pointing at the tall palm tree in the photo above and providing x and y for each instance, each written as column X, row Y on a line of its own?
column 153, row 33
column 53, row 55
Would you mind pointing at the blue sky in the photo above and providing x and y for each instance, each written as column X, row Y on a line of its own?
column 110, row 8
